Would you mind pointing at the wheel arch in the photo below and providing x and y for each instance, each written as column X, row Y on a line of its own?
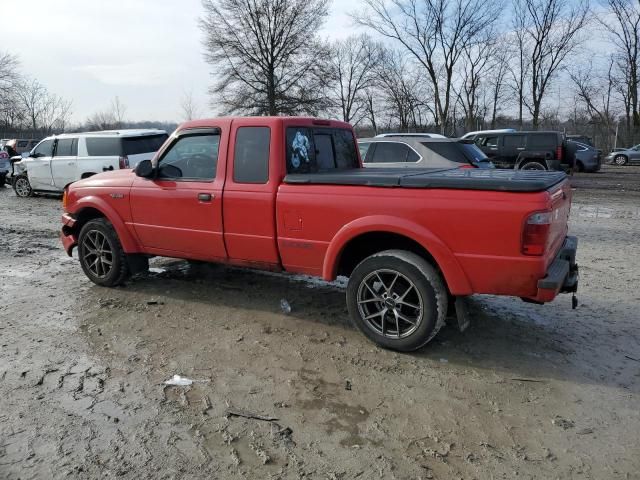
column 367, row 236
column 88, row 208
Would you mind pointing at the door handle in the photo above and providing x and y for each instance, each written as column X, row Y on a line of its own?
column 520, row 148
column 205, row 197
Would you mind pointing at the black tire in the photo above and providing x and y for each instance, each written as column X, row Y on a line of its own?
column 429, row 293
column 620, row 160
column 106, row 247
column 532, row 166
column 3, row 180
column 22, row 187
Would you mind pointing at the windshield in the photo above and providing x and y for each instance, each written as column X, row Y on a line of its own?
column 457, row 151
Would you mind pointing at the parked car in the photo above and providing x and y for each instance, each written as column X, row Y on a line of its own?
column 420, row 152
column 416, row 135
column 474, row 135
column 581, row 139
column 288, row 194
column 525, row 150
column 584, row 157
column 61, row 159
column 5, row 167
column 624, row 156
column 21, row 145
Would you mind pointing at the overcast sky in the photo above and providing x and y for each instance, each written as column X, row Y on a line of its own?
column 146, row 52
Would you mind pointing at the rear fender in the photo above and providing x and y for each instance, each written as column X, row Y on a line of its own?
column 129, row 243
column 454, row 276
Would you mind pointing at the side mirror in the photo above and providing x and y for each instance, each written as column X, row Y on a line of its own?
column 144, row 169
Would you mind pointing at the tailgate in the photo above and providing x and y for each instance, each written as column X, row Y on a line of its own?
column 560, row 197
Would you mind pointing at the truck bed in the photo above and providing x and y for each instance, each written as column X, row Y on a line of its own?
column 456, row 179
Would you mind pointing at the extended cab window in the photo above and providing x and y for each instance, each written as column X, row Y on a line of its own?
column 66, row 147
column 191, row 157
column 311, row 150
column 251, row 157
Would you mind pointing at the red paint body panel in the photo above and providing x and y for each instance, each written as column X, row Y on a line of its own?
column 474, row 236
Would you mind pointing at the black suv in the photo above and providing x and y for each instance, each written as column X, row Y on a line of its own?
column 525, row 150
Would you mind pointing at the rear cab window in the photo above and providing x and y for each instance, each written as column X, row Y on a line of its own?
column 320, row 149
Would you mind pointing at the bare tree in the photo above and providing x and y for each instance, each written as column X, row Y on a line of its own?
column 435, row 33
column 266, row 55
column 497, row 80
column 188, row 106
column 549, row 32
column 476, row 62
column 32, row 94
column 625, row 35
column 353, row 63
column 595, row 92
column 118, row 111
column 11, row 111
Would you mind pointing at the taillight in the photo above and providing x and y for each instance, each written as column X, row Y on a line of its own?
column 559, row 153
column 536, row 233
column 467, row 166
column 124, row 162
column 64, row 199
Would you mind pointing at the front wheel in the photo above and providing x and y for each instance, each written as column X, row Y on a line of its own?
column 22, row 187
column 397, row 299
column 101, row 255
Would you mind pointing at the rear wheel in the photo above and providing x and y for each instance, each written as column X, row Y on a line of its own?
column 620, row 160
column 22, row 187
column 101, row 255
column 397, row 299
column 533, row 166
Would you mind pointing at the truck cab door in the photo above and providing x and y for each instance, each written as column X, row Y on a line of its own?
column 39, row 166
column 250, row 193
column 178, row 212
column 64, row 164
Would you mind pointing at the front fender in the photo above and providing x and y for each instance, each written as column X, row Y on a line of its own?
column 455, row 277
column 129, row 243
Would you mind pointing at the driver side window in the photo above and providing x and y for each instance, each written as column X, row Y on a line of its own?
column 44, row 149
column 191, row 157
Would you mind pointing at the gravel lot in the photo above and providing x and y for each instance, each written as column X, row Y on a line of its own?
column 527, row 391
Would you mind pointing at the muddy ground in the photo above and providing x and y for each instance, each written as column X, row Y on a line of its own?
column 527, row 392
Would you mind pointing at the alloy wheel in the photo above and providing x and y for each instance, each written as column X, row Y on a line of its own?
column 23, row 189
column 390, row 304
column 98, row 254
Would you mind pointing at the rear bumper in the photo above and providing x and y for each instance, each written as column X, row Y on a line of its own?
column 67, row 235
column 562, row 274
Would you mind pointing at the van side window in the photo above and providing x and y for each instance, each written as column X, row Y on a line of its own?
column 251, row 157
column 516, row 141
column 65, row 148
column 191, row 157
column 104, row 146
column 390, row 152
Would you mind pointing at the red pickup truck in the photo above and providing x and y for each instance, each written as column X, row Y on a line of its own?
column 289, row 194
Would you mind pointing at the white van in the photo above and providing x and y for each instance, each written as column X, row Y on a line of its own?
column 59, row 160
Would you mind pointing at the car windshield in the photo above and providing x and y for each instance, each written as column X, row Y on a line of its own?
column 457, row 151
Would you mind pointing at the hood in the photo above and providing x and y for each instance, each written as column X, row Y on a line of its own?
column 115, row 178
